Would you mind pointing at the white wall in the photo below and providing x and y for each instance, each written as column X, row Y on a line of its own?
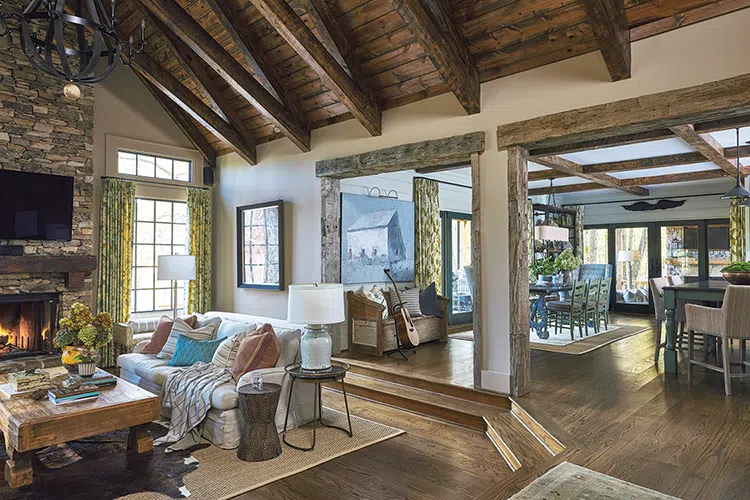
column 660, row 63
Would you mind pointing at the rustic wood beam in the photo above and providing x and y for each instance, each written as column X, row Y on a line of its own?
column 687, row 18
column 289, row 25
column 441, row 168
column 221, row 61
column 183, row 121
column 721, row 100
column 447, row 151
column 207, row 78
column 610, row 27
column 706, row 145
column 433, row 28
column 190, row 103
column 566, row 166
column 568, row 188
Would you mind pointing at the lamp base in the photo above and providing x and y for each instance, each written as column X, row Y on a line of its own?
column 316, row 345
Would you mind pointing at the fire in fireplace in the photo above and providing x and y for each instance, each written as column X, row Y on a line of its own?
column 27, row 324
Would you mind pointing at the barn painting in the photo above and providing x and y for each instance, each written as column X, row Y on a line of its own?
column 376, row 233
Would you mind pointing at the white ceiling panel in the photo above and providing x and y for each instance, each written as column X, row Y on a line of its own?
column 728, row 138
column 630, row 152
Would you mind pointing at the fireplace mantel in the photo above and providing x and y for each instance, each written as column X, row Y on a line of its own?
column 74, row 266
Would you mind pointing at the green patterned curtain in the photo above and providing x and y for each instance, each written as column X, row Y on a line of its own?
column 116, row 227
column 737, row 231
column 199, row 218
column 427, row 234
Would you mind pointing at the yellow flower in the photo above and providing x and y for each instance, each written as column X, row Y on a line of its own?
column 103, row 321
column 80, row 315
column 87, row 336
column 65, row 323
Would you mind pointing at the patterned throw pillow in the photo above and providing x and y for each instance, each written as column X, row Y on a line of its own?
column 180, row 327
column 190, row 351
column 227, row 352
column 161, row 334
column 410, row 297
column 377, row 295
column 203, row 320
column 259, row 350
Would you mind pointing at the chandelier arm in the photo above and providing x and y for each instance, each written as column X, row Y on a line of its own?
column 95, row 56
column 60, row 39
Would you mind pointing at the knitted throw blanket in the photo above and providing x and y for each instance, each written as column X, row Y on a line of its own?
column 188, row 393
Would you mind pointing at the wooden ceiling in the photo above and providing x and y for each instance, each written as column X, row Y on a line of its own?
column 235, row 73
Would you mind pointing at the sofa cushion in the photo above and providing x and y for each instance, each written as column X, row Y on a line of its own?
column 259, row 350
column 146, row 366
column 288, row 340
column 162, row 331
column 229, row 328
column 190, row 351
column 206, row 320
column 225, row 397
column 180, row 327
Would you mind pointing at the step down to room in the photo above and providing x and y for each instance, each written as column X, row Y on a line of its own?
column 515, row 440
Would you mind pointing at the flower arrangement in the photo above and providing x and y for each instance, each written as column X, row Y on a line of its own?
column 543, row 267
column 83, row 332
column 737, row 267
column 567, row 261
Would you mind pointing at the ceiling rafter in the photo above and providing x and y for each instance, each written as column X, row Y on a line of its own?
column 568, row 167
column 706, row 145
column 609, row 24
column 221, row 61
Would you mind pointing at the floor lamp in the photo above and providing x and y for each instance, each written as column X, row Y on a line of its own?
column 175, row 267
column 627, row 256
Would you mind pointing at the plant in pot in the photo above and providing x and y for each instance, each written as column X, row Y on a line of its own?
column 544, row 270
column 737, row 273
column 566, row 263
column 80, row 335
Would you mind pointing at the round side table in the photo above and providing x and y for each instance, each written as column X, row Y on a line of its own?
column 259, row 439
column 335, row 373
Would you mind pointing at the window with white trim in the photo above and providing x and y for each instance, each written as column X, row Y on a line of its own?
column 153, row 167
column 160, row 229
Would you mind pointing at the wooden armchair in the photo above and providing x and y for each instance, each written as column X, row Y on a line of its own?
column 369, row 333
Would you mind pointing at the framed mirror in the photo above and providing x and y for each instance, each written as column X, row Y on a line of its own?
column 260, row 246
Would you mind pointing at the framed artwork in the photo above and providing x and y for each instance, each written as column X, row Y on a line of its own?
column 376, row 233
column 260, row 246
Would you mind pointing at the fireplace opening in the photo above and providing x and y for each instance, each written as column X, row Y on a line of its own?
column 27, row 324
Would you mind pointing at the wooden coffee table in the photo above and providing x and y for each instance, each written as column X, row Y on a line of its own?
column 29, row 425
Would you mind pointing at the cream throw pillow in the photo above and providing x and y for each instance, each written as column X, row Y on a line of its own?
column 180, row 327
column 227, row 350
column 376, row 295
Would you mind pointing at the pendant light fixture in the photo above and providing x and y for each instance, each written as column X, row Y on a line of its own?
column 738, row 191
column 548, row 229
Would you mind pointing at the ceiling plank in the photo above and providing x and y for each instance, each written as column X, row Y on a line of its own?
column 206, row 78
column 686, row 18
column 716, row 173
column 190, row 103
column 329, row 33
column 706, row 145
column 221, row 61
column 566, row 166
column 183, row 122
column 289, row 25
column 610, row 26
column 430, row 24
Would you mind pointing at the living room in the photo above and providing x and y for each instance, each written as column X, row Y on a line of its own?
column 201, row 209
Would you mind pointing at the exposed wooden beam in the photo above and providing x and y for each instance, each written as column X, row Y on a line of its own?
column 441, row 168
column 572, row 168
column 646, row 163
column 433, row 28
column 190, row 103
column 687, row 18
column 207, row 78
column 437, row 152
column 568, row 188
column 221, row 61
column 706, row 145
column 289, row 25
column 183, row 121
column 610, row 27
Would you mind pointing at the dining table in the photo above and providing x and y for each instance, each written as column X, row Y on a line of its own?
column 538, row 313
column 703, row 291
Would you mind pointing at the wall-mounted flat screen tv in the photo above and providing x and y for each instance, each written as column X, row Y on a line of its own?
column 35, row 206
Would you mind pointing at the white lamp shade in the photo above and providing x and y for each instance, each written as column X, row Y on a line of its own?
column 625, row 256
column 551, row 233
column 176, row 267
column 316, row 304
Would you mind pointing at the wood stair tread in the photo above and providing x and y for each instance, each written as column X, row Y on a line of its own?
column 526, row 449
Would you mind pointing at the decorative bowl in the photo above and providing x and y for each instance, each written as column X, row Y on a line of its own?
column 737, row 278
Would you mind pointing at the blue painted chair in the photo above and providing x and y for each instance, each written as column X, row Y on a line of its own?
column 588, row 272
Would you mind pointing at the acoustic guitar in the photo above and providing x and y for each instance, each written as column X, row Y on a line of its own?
column 405, row 329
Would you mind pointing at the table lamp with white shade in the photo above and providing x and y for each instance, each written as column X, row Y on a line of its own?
column 316, row 305
column 174, row 268
column 629, row 257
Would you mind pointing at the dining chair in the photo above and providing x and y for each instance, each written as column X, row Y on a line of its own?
column 730, row 321
column 657, row 292
column 569, row 312
column 605, row 289
column 591, row 314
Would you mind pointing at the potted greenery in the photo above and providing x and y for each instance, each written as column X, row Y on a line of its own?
column 566, row 263
column 737, row 273
column 80, row 336
column 544, row 270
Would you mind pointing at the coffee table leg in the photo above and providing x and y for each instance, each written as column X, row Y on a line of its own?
column 139, row 439
column 18, row 471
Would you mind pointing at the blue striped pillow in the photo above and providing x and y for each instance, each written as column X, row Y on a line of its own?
column 190, row 351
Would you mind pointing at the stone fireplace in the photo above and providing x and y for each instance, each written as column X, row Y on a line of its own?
column 27, row 324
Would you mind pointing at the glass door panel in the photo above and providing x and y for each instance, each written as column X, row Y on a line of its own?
column 718, row 249
column 679, row 252
column 457, row 282
column 596, row 246
column 632, row 270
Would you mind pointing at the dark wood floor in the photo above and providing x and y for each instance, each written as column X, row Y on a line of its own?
column 613, row 409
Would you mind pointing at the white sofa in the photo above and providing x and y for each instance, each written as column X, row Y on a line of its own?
column 221, row 426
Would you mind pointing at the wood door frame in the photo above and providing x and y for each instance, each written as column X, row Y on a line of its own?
column 710, row 106
column 439, row 154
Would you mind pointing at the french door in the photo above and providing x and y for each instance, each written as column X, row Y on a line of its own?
column 457, row 270
column 691, row 250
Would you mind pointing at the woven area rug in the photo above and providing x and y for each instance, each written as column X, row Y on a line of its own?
column 561, row 342
column 568, row 481
column 462, row 336
column 100, row 468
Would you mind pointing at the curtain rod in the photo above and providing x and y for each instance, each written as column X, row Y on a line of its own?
column 640, row 199
column 443, row 182
column 156, row 183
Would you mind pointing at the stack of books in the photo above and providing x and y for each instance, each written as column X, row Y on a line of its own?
column 99, row 379
column 62, row 395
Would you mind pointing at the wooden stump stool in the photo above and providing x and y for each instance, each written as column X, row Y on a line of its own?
column 259, row 439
